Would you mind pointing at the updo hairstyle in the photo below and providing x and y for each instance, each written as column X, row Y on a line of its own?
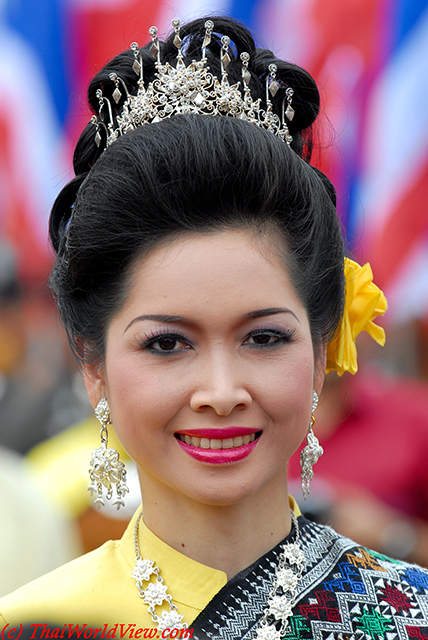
column 194, row 173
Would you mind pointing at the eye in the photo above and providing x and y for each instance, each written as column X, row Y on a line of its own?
column 268, row 337
column 164, row 343
column 263, row 338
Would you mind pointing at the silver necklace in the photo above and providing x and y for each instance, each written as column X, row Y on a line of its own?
column 281, row 600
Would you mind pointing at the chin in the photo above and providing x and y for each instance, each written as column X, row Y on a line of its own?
column 228, row 491
column 218, row 498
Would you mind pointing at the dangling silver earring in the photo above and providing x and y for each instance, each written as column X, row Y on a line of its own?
column 311, row 453
column 105, row 468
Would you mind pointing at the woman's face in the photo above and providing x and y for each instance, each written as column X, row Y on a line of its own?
column 209, row 368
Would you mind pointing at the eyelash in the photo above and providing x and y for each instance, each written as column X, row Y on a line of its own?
column 151, row 338
column 281, row 337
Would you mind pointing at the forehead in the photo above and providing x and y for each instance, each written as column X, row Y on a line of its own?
column 242, row 266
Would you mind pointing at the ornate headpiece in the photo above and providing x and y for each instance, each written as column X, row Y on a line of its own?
column 190, row 89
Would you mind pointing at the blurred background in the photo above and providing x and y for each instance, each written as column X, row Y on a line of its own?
column 370, row 60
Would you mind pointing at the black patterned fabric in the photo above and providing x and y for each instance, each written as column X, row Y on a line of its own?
column 346, row 593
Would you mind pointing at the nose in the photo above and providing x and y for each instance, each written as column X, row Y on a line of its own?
column 221, row 391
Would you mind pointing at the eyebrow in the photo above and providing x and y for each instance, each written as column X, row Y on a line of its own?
column 156, row 318
column 259, row 313
column 272, row 311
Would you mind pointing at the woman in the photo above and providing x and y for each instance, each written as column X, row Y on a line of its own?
column 200, row 276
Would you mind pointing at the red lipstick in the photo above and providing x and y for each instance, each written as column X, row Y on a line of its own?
column 218, row 456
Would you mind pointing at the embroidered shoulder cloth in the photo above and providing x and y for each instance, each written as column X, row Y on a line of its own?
column 346, row 593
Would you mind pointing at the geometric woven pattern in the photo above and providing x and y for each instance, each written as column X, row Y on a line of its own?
column 346, row 593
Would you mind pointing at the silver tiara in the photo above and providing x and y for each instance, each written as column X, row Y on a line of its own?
column 190, row 89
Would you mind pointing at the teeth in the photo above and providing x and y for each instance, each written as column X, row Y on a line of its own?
column 206, row 443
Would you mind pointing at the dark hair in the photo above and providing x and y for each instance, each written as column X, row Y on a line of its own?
column 194, row 173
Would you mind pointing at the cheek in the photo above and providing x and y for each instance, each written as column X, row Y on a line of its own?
column 292, row 382
column 288, row 401
column 142, row 402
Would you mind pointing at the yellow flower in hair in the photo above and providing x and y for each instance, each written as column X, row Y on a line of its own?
column 364, row 301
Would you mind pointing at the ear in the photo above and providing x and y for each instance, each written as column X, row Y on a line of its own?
column 93, row 377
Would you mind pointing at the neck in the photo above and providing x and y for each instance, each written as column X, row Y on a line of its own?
column 228, row 538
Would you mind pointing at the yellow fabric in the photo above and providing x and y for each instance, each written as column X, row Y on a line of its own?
column 98, row 589
column 60, row 465
column 363, row 303
column 294, row 506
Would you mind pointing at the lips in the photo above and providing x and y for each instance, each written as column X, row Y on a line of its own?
column 236, row 443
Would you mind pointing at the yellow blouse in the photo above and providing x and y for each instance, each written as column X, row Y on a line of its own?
column 97, row 588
